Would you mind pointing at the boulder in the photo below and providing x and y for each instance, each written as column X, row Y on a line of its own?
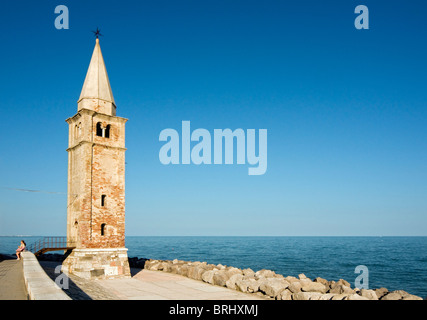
column 411, row 297
column 343, row 282
column 370, row 294
column 264, row 273
column 248, row 272
column 231, row 282
column 291, row 279
column 253, row 285
column 208, row 276
column 322, row 281
column 313, row 287
column 196, row 272
column 249, row 285
column 305, row 281
column 399, row 295
column 165, row 266
column 355, row 296
column 184, row 270
column 158, row 266
column 242, row 284
column 154, row 266
column 306, row 296
column 407, row 296
column 190, row 271
column 264, row 282
column 340, row 288
column 341, row 296
column 273, row 286
column 232, row 271
column 392, row 296
column 295, row 287
column 285, row 295
column 220, row 278
column 175, row 268
column 327, row 296
column 302, row 276
column 381, row 292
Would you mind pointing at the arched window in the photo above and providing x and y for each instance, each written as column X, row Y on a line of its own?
column 107, row 131
column 99, row 129
column 103, row 229
column 78, row 130
column 102, row 132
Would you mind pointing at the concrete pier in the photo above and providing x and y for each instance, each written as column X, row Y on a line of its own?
column 155, row 285
column 12, row 286
column 145, row 285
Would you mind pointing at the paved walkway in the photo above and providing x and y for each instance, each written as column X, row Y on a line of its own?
column 146, row 285
column 12, row 286
column 78, row 288
column 157, row 285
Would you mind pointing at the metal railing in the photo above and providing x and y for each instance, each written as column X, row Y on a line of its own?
column 50, row 244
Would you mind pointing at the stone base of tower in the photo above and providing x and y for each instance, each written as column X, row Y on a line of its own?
column 110, row 263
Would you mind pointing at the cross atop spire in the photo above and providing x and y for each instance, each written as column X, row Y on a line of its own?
column 97, row 33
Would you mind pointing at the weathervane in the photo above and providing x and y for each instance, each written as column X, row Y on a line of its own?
column 97, row 33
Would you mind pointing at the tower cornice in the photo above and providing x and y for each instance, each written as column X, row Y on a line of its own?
column 82, row 142
column 93, row 113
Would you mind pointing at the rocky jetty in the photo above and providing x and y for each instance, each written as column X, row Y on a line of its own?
column 268, row 284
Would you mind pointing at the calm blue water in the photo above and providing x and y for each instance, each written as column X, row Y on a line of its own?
column 393, row 262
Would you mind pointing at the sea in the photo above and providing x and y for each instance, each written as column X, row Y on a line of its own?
column 396, row 263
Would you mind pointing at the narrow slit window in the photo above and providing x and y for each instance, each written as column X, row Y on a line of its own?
column 103, row 198
column 103, row 229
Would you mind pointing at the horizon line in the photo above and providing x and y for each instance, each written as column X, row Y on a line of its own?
column 379, row 236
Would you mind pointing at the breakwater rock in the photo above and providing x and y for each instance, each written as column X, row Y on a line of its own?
column 268, row 284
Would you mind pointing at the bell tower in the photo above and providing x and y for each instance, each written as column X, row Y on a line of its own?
column 96, row 180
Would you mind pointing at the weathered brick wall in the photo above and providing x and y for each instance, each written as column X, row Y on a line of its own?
column 96, row 167
column 108, row 180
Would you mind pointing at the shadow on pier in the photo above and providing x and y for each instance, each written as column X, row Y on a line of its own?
column 78, row 288
column 74, row 291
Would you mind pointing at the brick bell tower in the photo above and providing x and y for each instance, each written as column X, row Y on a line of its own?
column 96, row 181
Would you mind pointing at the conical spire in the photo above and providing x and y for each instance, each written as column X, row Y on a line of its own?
column 96, row 93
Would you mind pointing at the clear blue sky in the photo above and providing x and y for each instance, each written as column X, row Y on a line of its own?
column 345, row 111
